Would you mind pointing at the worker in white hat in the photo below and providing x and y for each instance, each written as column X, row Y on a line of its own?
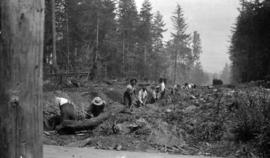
column 61, row 101
column 96, row 107
column 67, row 109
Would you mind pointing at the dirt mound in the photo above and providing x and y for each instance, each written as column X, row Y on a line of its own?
column 165, row 134
column 114, row 95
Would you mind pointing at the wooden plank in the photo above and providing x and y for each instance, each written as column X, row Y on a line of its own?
column 67, row 74
column 21, row 78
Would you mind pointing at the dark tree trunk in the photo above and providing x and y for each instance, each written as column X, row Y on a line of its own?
column 93, row 71
column 55, row 66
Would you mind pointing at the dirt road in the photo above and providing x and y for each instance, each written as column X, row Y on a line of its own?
column 68, row 152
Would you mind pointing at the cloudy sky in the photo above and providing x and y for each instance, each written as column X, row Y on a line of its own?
column 213, row 19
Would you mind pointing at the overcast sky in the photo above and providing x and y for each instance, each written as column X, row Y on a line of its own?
column 213, row 19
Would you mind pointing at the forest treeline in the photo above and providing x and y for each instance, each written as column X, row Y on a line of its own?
column 112, row 39
column 250, row 44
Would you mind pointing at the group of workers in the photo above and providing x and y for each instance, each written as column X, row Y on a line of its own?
column 144, row 95
column 131, row 98
column 134, row 95
column 68, row 109
column 185, row 86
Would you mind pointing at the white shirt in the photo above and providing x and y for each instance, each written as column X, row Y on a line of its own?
column 142, row 95
column 130, row 88
column 61, row 101
column 154, row 94
column 162, row 86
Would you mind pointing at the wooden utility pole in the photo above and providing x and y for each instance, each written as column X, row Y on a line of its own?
column 21, row 46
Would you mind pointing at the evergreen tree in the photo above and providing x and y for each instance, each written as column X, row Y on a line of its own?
column 181, row 53
column 157, row 31
column 145, row 38
column 145, row 25
column 91, row 25
column 128, row 23
column 158, row 60
column 249, row 49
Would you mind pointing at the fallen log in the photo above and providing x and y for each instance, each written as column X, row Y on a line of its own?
column 67, row 74
column 76, row 125
column 108, row 82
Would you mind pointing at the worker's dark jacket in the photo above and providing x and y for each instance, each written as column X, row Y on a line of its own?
column 67, row 112
column 95, row 110
column 128, row 95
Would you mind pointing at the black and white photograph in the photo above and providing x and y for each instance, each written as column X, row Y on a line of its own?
column 134, row 78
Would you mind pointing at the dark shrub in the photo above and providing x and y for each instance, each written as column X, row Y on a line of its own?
column 251, row 121
column 217, row 82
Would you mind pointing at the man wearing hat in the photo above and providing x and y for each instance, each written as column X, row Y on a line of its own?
column 97, row 106
column 130, row 91
column 67, row 109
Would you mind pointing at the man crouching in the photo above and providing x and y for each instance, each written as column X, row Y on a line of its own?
column 142, row 96
column 96, row 108
column 67, row 109
column 67, row 112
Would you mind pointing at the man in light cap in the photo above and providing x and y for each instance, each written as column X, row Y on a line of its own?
column 97, row 106
column 67, row 109
column 61, row 101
